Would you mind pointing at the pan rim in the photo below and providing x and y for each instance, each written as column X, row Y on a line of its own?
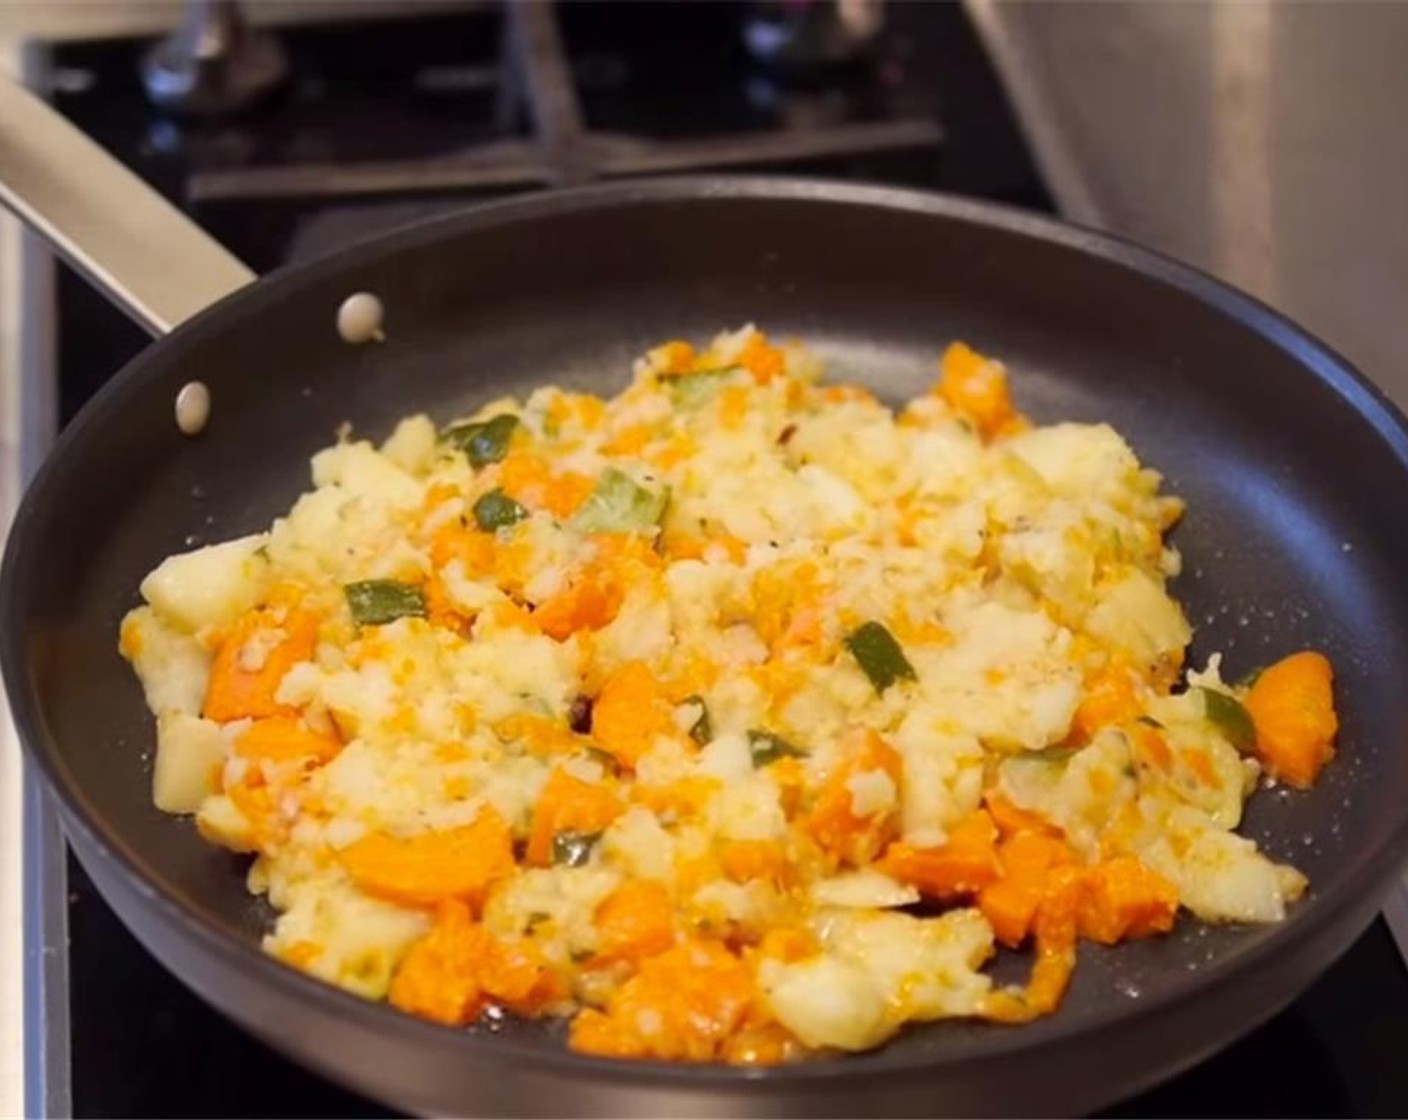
column 1320, row 361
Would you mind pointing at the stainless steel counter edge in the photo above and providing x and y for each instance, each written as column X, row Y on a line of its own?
column 1243, row 259
column 34, row 1034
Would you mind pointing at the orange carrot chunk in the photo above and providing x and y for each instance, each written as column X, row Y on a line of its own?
column 569, row 805
column 635, row 921
column 1109, row 700
column 976, row 388
column 437, row 979
column 842, row 821
column 250, row 664
column 451, row 973
column 283, row 739
column 965, row 864
column 588, row 602
column 763, row 361
column 746, row 860
column 630, row 713
column 1011, row 818
column 1011, row 902
column 461, row 863
column 683, row 1005
column 1121, row 899
column 1292, row 706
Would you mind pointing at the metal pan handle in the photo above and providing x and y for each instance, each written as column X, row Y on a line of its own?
column 136, row 248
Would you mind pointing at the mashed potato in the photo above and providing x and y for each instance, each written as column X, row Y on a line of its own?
column 737, row 717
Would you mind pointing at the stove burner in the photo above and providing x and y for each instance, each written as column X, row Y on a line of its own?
column 536, row 79
column 214, row 64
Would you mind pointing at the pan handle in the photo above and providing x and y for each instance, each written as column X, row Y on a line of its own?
column 135, row 247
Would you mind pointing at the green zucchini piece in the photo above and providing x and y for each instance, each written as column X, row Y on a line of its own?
column 701, row 731
column 879, row 655
column 766, row 748
column 374, row 602
column 1228, row 715
column 619, row 505
column 485, row 441
column 572, row 849
column 496, row 510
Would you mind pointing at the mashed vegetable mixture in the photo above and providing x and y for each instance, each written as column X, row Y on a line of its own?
column 737, row 717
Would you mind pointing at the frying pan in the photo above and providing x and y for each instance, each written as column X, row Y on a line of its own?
column 1295, row 468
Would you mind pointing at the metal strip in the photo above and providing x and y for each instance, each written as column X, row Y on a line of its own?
column 140, row 251
column 507, row 163
column 624, row 156
column 45, row 877
column 1243, row 197
column 34, row 1038
column 519, row 163
column 547, row 79
column 1061, row 172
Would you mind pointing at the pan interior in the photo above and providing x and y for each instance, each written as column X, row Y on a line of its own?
column 1294, row 536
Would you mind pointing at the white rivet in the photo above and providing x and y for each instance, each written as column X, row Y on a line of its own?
column 359, row 318
column 193, row 408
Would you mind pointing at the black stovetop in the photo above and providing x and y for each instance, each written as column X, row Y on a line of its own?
column 412, row 88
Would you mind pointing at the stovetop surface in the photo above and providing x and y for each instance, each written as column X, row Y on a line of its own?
column 407, row 89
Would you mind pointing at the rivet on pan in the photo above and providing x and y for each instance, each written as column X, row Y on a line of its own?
column 192, row 408
column 360, row 317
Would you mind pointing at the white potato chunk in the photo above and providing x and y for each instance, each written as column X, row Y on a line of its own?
column 412, row 445
column 219, row 821
column 925, row 968
column 357, row 941
column 359, row 469
column 1081, row 461
column 172, row 666
column 189, row 752
column 1137, row 615
column 826, row 1001
column 865, row 889
column 210, row 586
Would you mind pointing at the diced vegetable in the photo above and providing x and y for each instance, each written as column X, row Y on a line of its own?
column 606, row 759
column 451, row 973
column 240, row 687
column 746, row 860
column 701, row 731
column 375, row 602
column 588, row 602
column 1049, row 756
column 1230, row 717
column 1109, row 700
column 437, row 979
column 496, row 510
column 964, row 864
column 568, row 804
column 211, row 586
column 1010, row 904
column 422, row 870
column 687, row 1003
column 484, row 442
column 189, row 752
column 630, row 713
column 635, row 921
column 1122, row 899
column 285, row 739
column 692, row 389
column 766, row 748
column 620, row 505
column 879, row 655
column 573, row 848
column 855, row 813
column 1292, row 706
column 976, row 388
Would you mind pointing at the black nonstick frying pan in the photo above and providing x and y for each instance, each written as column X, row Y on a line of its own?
column 1295, row 470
